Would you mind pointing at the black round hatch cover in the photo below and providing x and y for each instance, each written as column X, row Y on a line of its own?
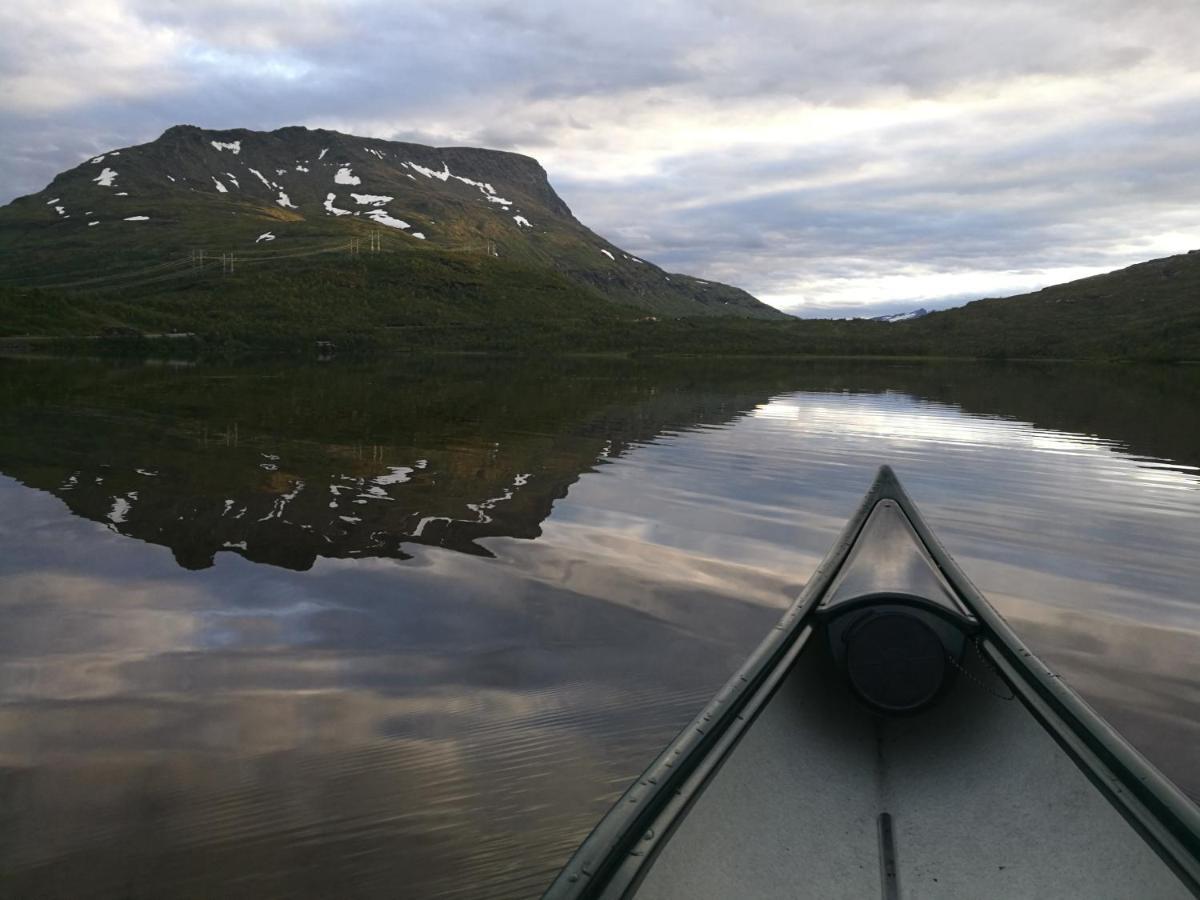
column 895, row 661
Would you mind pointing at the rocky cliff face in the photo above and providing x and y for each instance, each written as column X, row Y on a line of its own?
column 228, row 191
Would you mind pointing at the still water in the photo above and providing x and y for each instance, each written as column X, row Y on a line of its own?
column 407, row 628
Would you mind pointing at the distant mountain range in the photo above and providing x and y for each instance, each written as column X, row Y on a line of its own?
column 129, row 214
column 902, row 317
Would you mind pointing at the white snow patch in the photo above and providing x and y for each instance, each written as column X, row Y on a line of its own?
column 122, row 193
column 522, row 480
column 265, row 236
column 421, row 463
column 52, row 202
column 330, row 208
column 106, row 177
column 395, row 475
column 609, row 255
column 172, row 177
column 410, row 176
column 322, row 154
column 234, row 146
column 300, row 168
column 281, row 171
column 521, row 220
column 233, row 178
column 430, row 173
column 234, row 545
column 345, row 176
column 120, row 508
column 418, row 235
column 383, row 217
column 90, row 224
column 60, row 210
column 371, row 199
column 350, row 520
column 147, row 473
column 220, row 187
column 445, row 175
column 97, row 159
column 285, row 201
column 137, row 218
column 259, row 175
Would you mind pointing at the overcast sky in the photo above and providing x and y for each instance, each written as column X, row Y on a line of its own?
column 832, row 158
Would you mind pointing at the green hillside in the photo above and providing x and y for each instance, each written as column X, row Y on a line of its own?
column 1147, row 311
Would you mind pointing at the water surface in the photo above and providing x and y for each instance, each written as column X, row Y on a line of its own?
column 407, row 628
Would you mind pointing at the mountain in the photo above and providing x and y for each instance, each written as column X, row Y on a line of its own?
column 902, row 317
column 166, row 216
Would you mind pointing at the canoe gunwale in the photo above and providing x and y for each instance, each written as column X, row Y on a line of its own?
column 616, row 855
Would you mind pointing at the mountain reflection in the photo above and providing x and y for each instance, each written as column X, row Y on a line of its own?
column 289, row 462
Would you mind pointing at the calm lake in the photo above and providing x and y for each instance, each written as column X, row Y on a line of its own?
column 406, row 628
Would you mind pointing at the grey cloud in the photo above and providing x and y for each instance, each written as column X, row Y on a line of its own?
column 1004, row 186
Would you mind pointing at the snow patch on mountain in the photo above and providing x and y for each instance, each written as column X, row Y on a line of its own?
column 265, row 236
column 137, row 218
column 97, row 159
column 233, row 178
column 270, row 185
column 285, row 201
column 330, row 208
column 521, row 220
column 609, row 255
column 233, row 146
column 106, row 177
column 220, row 187
column 383, row 217
column 321, row 155
column 345, row 176
column 443, row 175
column 371, row 199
